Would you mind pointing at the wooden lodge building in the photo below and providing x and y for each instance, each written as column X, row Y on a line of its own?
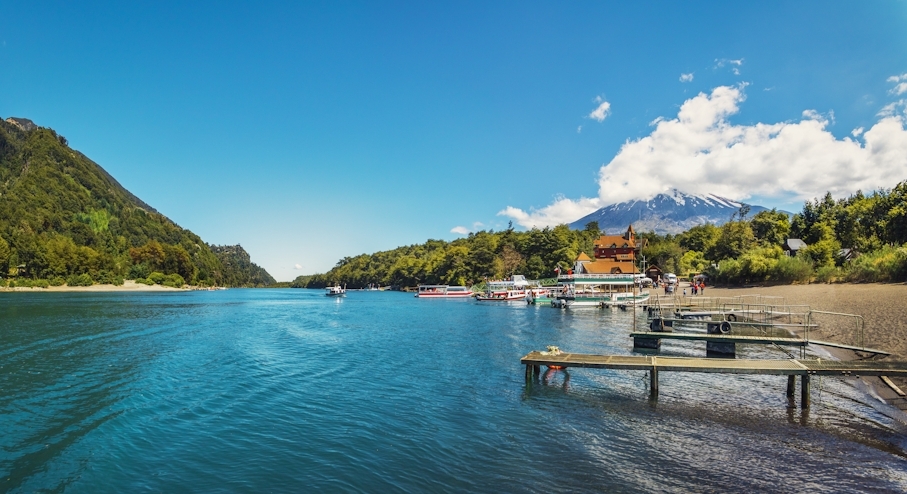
column 614, row 254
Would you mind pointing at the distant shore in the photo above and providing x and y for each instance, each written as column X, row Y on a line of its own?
column 127, row 286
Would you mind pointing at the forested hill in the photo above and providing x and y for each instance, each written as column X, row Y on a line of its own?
column 464, row 261
column 239, row 268
column 64, row 218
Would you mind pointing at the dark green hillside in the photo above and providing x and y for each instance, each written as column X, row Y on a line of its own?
column 62, row 217
column 239, row 268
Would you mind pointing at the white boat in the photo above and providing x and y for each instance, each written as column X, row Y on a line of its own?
column 515, row 288
column 443, row 291
column 542, row 295
column 335, row 291
column 599, row 290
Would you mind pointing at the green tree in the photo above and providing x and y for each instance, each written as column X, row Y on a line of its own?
column 700, row 238
column 771, row 227
column 736, row 238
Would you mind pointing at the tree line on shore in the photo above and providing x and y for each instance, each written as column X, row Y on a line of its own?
column 63, row 219
column 860, row 238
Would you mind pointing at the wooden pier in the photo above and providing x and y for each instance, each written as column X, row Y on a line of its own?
column 734, row 339
column 806, row 368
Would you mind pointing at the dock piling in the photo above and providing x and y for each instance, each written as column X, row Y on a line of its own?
column 722, row 349
column 653, row 383
column 804, row 391
column 791, row 385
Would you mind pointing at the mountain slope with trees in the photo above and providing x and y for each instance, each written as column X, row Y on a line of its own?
column 64, row 218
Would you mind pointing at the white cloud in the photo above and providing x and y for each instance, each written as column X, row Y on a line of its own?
column 297, row 266
column 734, row 64
column 462, row 230
column 604, row 109
column 814, row 115
column 686, row 77
column 892, row 109
column 579, row 129
column 563, row 210
column 721, row 62
column 857, row 132
column 701, row 151
column 900, row 84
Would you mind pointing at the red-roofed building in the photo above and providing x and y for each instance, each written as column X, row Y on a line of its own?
column 613, row 254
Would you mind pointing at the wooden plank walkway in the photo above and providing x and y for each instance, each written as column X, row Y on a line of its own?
column 783, row 367
column 760, row 339
column 654, row 364
column 754, row 324
column 723, row 338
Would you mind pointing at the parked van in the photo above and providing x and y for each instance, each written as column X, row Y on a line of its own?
column 671, row 278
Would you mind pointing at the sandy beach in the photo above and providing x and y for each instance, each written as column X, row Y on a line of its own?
column 127, row 286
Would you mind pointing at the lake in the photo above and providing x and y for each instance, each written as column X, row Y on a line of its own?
column 287, row 390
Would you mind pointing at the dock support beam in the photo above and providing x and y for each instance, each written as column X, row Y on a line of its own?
column 647, row 343
column 653, row 383
column 720, row 349
column 804, row 391
column 791, row 385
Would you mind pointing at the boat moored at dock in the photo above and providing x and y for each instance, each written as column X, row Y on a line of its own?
column 515, row 288
column 599, row 290
column 443, row 291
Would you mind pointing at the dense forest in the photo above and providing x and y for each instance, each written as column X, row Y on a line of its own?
column 860, row 239
column 63, row 219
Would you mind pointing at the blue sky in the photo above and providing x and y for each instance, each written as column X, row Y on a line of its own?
column 307, row 132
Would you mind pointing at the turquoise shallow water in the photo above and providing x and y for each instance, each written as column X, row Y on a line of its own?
column 285, row 390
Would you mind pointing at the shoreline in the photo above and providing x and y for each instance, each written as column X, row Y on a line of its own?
column 127, row 286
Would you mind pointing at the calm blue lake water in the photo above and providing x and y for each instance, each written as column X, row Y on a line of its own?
column 288, row 390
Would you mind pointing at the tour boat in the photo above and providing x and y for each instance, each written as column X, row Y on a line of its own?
column 542, row 295
column 443, row 291
column 335, row 291
column 599, row 290
column 515, row 288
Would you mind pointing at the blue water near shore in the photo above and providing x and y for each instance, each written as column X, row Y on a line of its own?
column 288, row 390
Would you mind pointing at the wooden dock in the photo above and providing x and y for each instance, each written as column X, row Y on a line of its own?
column 759, row 339
column 654, row 364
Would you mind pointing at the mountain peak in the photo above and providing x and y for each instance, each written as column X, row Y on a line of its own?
column 671, row 212
column 23, row 123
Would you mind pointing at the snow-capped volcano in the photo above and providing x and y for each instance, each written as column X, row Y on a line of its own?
column 672, row 212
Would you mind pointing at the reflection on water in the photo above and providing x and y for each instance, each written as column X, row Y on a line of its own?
column 277, row 389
